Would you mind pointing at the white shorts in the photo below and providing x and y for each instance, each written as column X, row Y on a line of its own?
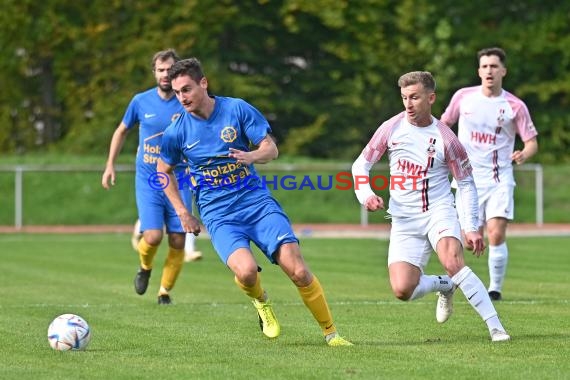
column 494, row 202
column 413, row 239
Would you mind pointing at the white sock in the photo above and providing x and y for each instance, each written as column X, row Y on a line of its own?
column 498, row 257
column 189, row 245
column 475, row 292
column 432, row 283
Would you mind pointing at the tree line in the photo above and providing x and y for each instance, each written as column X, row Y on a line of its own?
column 324, row 72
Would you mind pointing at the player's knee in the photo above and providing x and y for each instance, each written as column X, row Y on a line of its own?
column 301, row 276
column 403, row 294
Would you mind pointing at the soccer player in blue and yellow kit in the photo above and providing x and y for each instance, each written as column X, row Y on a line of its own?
column 153, row 110
column 214, row 136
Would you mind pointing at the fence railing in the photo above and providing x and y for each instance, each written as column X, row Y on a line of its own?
column 20, row 170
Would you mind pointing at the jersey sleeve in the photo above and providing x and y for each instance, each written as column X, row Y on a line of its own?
column 451, row 114
column 255, row 125
column 131, row 118
column 371, row 154
column 170, row 151
column 456, row 156
column 523, row 122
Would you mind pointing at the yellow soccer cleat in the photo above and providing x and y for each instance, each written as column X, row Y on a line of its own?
column 267, row 319
column 335, row 340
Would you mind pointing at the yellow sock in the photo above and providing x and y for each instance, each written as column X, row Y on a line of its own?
column 256, row 291
column 314, row 298
column 146, row 253
column 172, row 267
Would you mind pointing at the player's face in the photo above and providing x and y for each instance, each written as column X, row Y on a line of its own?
column 417, row 103
column 491, row 71
column 193, row 96
column 161, row 74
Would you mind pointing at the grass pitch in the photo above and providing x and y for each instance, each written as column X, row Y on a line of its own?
column 212, row 332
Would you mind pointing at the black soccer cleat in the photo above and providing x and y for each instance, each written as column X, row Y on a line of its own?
column 164, row 299
column 495, row 296
column 141, row 280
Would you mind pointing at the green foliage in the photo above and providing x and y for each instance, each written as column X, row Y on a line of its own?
column 211, row 331
column 324, row 72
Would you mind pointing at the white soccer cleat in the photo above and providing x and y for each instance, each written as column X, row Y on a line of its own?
column 444, row 307
column 499, row 336
column 192, row 256
column 136, row 236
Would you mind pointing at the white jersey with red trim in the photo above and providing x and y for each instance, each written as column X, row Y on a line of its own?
column 420, row 160
column 487, row 127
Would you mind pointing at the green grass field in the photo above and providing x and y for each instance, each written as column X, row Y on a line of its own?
column 212, row 333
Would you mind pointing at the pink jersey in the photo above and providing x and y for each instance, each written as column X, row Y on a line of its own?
column 420, row 160
column 487, row 128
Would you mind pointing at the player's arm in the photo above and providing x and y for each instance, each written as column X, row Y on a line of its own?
column 529, row 150
column 361, row 176
column 117, row 141
column 189, row 222
column 460, row 169
column 451, row 114
column 266, row 151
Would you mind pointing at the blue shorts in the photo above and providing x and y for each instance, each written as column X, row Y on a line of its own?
column 156, row 211
column 266, row 225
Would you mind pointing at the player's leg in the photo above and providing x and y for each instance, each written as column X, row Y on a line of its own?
column 408, row 254
column 172, row 266
column 151, row 217
column 247, row 278
column 190, row 251
column 499, row 210
column 289, row 258
column 275, row 237
column 232, row 245
column 450, row 253
column 147, row 248
column 136, row 235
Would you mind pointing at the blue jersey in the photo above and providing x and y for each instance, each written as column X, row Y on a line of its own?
column 219, row 182
column 153, row 114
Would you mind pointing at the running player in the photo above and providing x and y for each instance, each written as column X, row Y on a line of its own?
column 422, row 152
column 153, row 110
column 489, row 120
column 214, row 136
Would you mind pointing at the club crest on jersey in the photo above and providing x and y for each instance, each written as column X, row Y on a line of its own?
column 431, row 150
column 228, row 134
column 501, row 117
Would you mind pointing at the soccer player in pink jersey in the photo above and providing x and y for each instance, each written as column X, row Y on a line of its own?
column 424, row 151
column 489, row 118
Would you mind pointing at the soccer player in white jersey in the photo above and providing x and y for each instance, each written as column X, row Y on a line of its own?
column 422, row 152
column 489, row 118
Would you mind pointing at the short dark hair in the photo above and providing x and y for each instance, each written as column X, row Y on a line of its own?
column 423, row 77
column 190, row 66
column 493, row 51
column 163, row 55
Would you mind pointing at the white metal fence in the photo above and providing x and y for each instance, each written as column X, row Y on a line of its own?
column 20, row 170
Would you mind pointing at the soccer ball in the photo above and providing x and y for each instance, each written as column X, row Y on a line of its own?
column 68, row 332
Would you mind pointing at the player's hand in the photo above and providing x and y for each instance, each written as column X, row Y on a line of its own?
column 474, row 241
column 519, row 157
column 242, row 157
column 189, row 223
column 374, row 203
column 108, row 175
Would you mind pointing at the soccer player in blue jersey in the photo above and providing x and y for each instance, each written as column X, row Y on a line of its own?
column 153, row 110
column 214, row 136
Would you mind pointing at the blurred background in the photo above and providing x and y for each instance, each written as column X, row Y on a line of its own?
column 324, row 72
